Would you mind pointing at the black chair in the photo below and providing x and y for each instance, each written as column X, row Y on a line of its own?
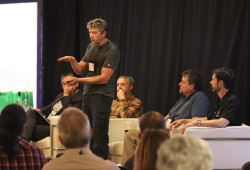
column 246, row 166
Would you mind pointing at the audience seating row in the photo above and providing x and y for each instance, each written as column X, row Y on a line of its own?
column 230, row 145
column 51, row 146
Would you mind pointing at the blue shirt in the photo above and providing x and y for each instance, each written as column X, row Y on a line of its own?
column 195, row 105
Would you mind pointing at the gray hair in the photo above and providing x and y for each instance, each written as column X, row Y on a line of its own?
column 98, row 23
column 184, row 152
column 74, row 128
column 130, row 79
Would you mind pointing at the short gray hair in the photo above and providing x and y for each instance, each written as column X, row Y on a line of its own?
column 98, row 23
column 74, row 128
column 130, row 79
column 184, row 152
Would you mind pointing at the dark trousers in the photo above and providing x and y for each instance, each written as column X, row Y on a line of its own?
column 36, row 127
column 98, row 108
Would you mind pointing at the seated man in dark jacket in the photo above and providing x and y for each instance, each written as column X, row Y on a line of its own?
column 37, row 124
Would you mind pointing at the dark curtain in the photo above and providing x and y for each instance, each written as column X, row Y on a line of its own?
column 16, row 1
column 158, row 40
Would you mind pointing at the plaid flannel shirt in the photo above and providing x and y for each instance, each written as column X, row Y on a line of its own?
column 28, row 157
column 131, row 108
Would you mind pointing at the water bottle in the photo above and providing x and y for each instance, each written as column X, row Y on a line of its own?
column 26, row 102
column 19, row 99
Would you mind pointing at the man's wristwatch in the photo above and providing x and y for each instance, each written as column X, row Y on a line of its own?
column 198, row 122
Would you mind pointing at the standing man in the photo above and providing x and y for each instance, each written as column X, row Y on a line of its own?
column 100, row 62
column 227, row 110
column 126, row 105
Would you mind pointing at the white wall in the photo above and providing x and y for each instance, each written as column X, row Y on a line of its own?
column 18, row 47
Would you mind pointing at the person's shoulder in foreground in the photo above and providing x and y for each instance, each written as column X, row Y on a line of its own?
column 80, row 159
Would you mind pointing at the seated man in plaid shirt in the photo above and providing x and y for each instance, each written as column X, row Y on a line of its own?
column 126, row 105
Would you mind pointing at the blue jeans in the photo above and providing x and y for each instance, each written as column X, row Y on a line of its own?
column 98, row 108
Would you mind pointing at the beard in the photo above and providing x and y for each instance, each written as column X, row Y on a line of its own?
column 95, row 42
column 215, row 89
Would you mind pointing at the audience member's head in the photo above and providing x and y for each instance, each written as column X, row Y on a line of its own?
column 152, row 120
column 184, row 153
column 74, row 134
column 12, row 120
column 149, row 120
column 74, row 128
column 226, row 75
column 193, row 77
column 146, row 154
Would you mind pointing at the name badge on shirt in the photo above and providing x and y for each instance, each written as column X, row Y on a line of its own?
column 92, row 65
